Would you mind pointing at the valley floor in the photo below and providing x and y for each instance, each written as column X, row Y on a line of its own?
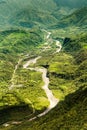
column 40, row 80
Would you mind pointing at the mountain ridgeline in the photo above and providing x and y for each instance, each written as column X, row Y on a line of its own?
column 71, row 3
column 30, row 13
column 77, row 18
column 56, row 32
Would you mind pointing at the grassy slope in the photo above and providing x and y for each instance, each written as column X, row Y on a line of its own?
column 14, row 44
column 77, row 18
column 67, row 72
column 70, row 113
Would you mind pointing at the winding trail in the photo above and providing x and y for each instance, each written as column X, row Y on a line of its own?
column 12, row 79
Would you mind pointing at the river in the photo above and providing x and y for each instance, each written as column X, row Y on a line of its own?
column 51, row 98
column 53, row 101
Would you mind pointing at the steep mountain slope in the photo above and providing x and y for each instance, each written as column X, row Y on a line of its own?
column 14, row 44
column 66, row 71
column 71, row 3
column 77, row 18
column 71, row 113
column 30, row 13
column 30, row 17
column 33, row 11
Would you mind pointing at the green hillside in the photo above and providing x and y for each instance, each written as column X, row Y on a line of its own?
column 72, row 3
column 26, row 13
column 30, row 13
column 43, row 61
column 77, row 18
column 71, row 112
column 14, row 44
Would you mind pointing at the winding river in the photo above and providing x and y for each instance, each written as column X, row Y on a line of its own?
column 58, row 44
column 53, row 101
column 59, row 47
column 51, row 98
